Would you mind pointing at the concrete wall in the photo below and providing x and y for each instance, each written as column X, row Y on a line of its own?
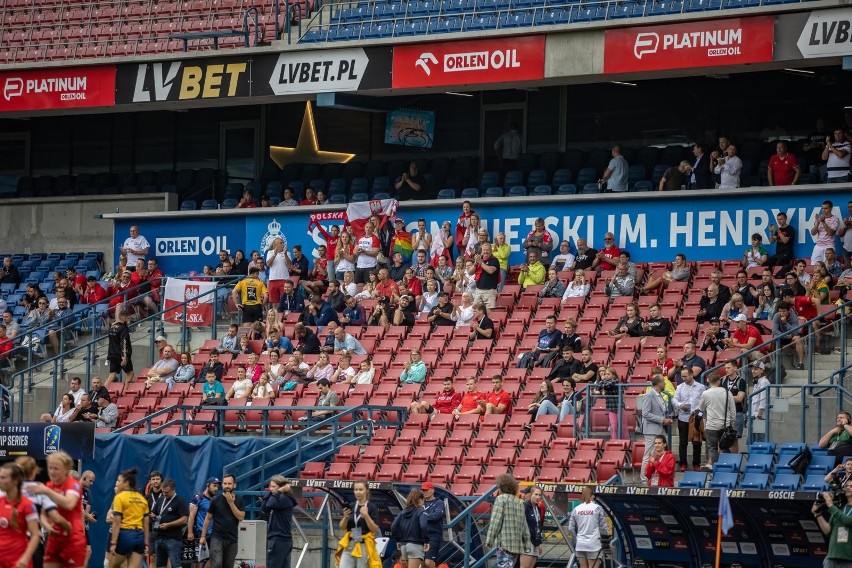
column 68, row 224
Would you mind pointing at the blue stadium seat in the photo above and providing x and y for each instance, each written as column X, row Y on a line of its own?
column 759, row 463
column 816, row 450
column 821, row 464
column 702, row 5
column 536, row 178
column 381, row 185
column 724, row 480
column 314, row 35
column 814, row 482
column 591, row 188
column 484, row 22
column 567, row 189
column 589, row 13
column 317, row 184
column 542, row 190
column 274, row 189
column 761, row 448
column 409, row 28
column 188, row 205
column 664, row 7
column 561, row 177
column 551, row 17
column 643, row 185
column 586, row 175
column 359, row 185
column 517, row 191
column 489, row 179
column 229, row 204
column 337, row 186
column 455, row 6
column 513, row 178
column 381, row 195
column 791, row 448
column 529, row 3
column 337, row 199
column 629, row 9
column 728, row 463
column 757, row 481
column 693, row 479
column 233, row 191
column 447, row 194
column 786, row 482
column 635, row 173
column 469, row 193
column 209, row 204
column 357, row 197
column 494, row 192
column 515, row 19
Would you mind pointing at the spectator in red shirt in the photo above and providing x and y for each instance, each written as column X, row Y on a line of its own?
column 386, row 287
column 663, row 360
column 745, row 336
column 154, row 276
column 78, row 281
column 6, row 343
column 310, row 197
column 93, row 293
column 471, row 400
column 607, row 257
column 784, row 168
column 445, row 403
column 497, row 401
column 247, row 201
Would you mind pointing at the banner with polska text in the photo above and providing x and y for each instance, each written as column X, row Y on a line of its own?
column 198, row 296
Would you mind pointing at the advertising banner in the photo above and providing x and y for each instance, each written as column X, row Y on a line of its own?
column 57, row 88
column 39, row 439
column 827, row 33
column 706, row 43
column 291, row 73
column 710, row 225
column 470, row 62
column 199, row 309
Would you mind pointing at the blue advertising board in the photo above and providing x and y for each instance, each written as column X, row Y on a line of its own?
column 706, row 225
column 39, row 439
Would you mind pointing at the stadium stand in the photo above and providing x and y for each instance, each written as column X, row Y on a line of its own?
column 347, row 21
column 64, row 30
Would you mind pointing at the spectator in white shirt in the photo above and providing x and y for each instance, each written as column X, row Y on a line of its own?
column 729, row 167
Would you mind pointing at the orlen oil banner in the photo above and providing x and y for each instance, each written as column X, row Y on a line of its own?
column 57, row 88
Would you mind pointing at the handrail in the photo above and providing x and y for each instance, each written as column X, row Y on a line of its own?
column 88, row 349
column 466, row 516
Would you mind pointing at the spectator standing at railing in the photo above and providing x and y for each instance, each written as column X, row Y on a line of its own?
column 784, row 237
column 783, row 167
column 508, row 147
column 9, row 273
column 120, row 348
column 837, row 154
column 135, row 247
column 826, row 226
column 718, row 409
column 279, row 265
column 760, row 397
column 685, row 402
column 250, row 296
column 615, row 176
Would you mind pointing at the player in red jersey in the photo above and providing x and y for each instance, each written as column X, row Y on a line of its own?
column 18, row 516
column 64, row 550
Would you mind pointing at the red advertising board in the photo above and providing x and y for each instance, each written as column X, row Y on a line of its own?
column 472, row 62
column 708, row 43
column 57, row 88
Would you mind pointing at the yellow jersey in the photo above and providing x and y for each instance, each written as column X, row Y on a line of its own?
column 251, row 291
column 132, row 506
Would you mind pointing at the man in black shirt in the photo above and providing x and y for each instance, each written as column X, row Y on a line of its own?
column 411, row 185
column 120, row 350
column 213, row 365
column 227, row 510
column 279, row 504
column 711, row 304
column 487, row 277
column 98, row 391
column 442, row 314
column 566, row 367
column 784, row 237
column 656, row 325
column 152, row 494
column 585, row 256
column 9, row 272
column 405, row 312
column 736, row 385
column 588, row 372
column 714, row 337
column 170, row 514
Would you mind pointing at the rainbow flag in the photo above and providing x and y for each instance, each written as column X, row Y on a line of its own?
column 402, row 244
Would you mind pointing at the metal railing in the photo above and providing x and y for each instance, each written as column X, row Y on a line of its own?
column 88, row 353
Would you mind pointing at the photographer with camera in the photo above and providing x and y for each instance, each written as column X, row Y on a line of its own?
column 836, row 527
column 838, row 440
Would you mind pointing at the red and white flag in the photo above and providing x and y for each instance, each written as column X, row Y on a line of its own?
column 199, row 298
column 317, row 218
column 357, row 214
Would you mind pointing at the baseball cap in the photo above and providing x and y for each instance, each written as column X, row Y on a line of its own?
column 713, row 320
column 759, row 365
column 212, row 480
column 160, row 338
column 427, row 486
column 740, row 317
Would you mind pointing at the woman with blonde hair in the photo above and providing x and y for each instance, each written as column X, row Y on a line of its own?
column 357, row 547
column 19, row 526
column 587, row 525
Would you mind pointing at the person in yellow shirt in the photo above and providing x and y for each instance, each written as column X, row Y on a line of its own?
column 250, row 296
column 533, row 272
column 129, row 537
column 501, row 252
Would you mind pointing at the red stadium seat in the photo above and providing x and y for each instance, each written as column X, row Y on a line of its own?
column 364, row 471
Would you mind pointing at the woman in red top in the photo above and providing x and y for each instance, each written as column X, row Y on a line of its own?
column 64, row 549
column 462, row 226
column 331, row 240
column 661, row 465
column 663, row 360
column 18, row 516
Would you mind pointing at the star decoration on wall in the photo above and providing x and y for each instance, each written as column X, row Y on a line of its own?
column 307, row 147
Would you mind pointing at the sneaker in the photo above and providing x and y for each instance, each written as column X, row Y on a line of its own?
column 800, row 366
column 707, row 467
column 682, row 468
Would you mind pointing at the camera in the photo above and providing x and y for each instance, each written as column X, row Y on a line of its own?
column 838, row 495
